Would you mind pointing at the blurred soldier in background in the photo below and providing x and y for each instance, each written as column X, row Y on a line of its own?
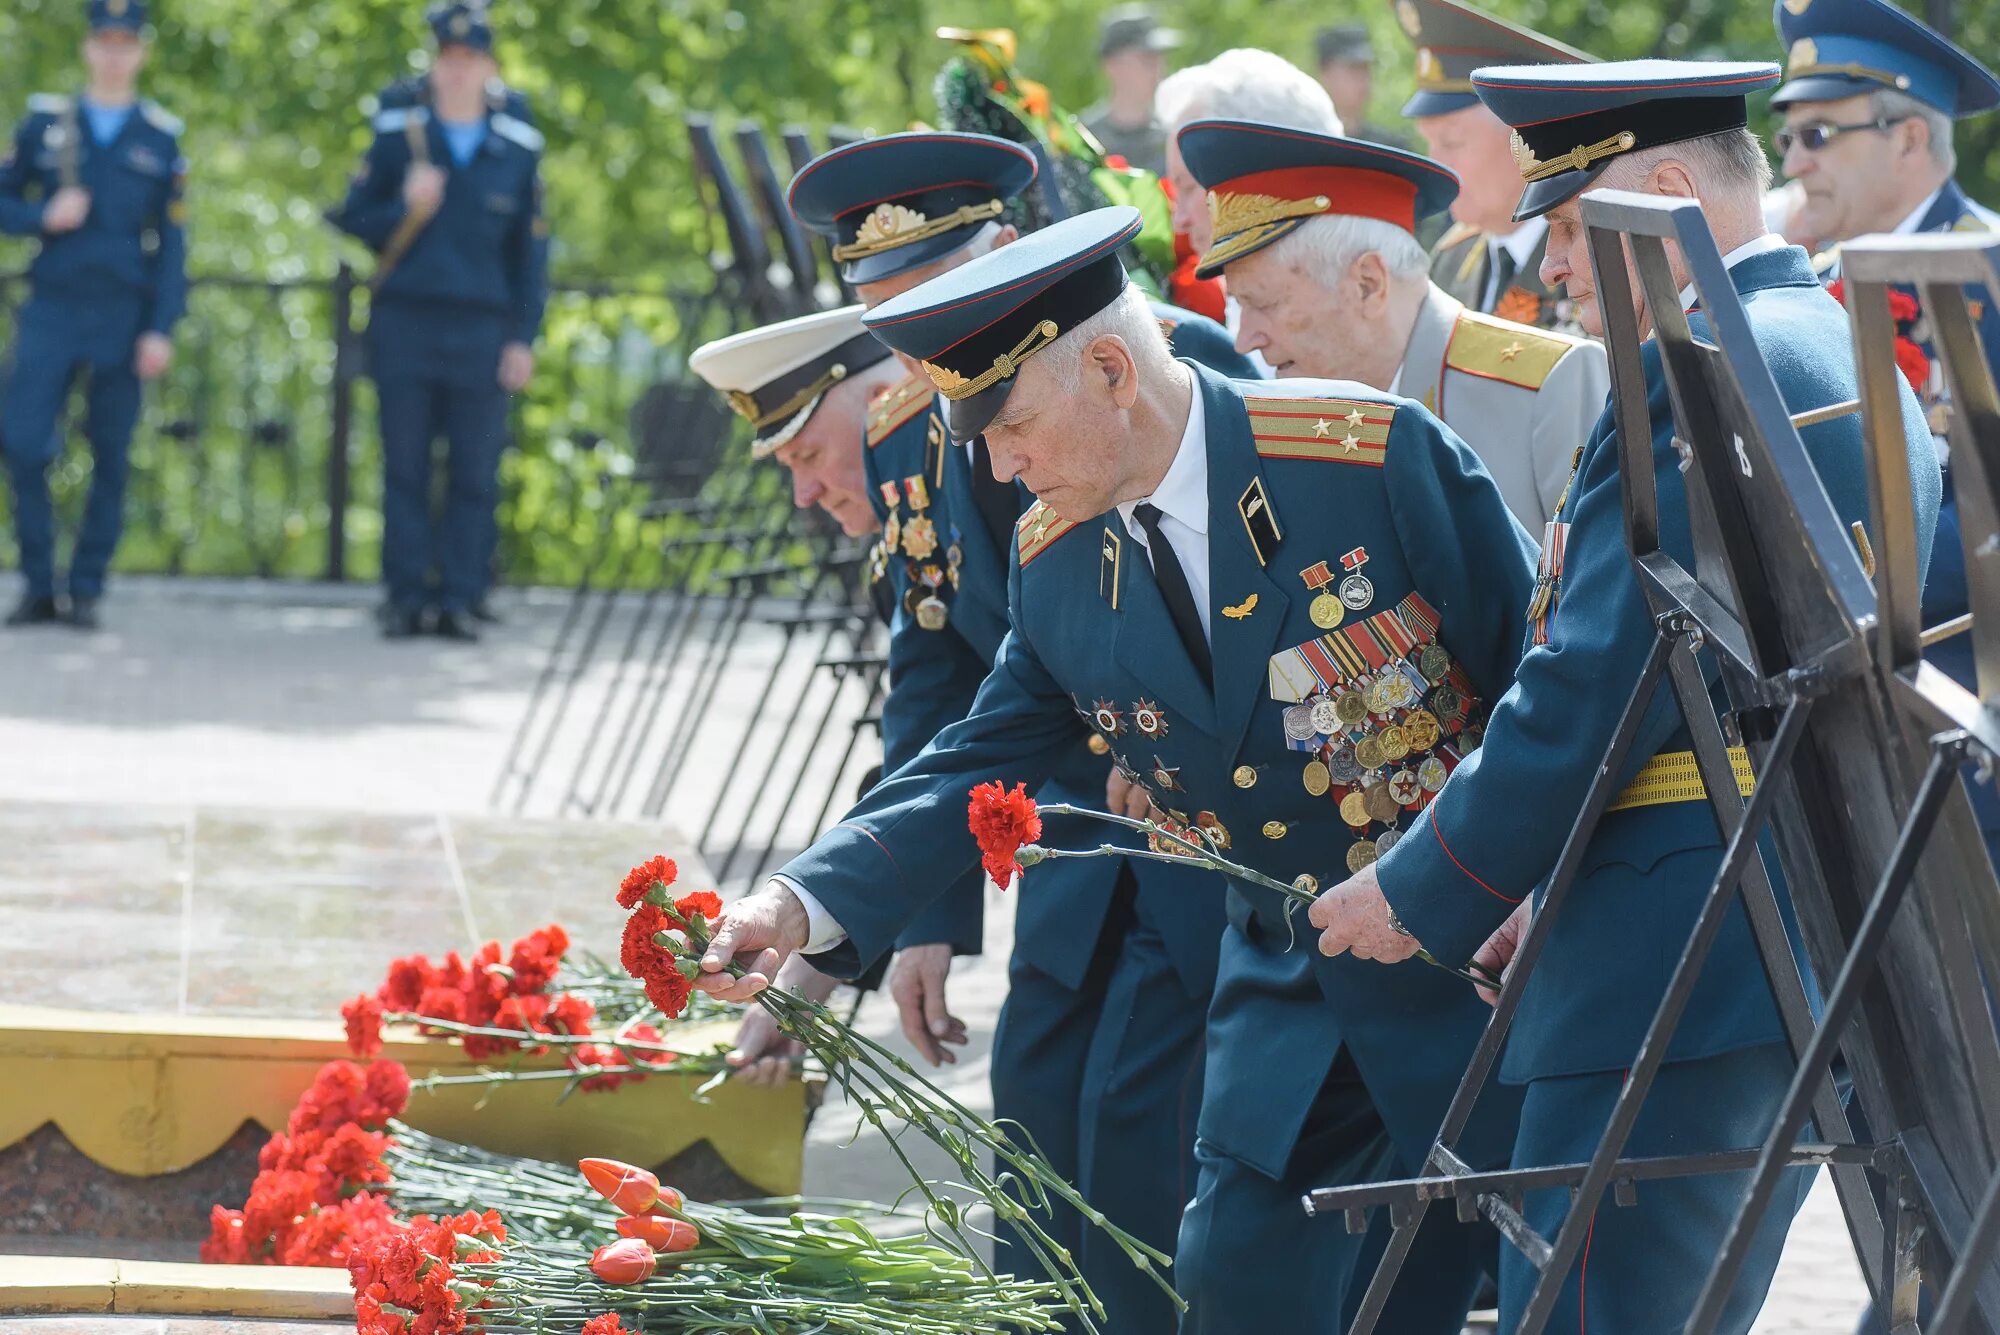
column 449, row 199
column 97, row 178
column 1347, row 72
column 1132, row 48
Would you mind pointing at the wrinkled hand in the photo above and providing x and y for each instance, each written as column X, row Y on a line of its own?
column 1122, row 797
column 1497, row 955
column 759, row 932
column 917, row 982
column 1354, row 917
column 66, row 210
column 152, row 355
column 763, row 1057
column 517, row 367
column 423, row 187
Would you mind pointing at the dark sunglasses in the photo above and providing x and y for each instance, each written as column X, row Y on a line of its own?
column 1817, row 135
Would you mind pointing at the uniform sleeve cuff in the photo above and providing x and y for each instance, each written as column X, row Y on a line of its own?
column 822, row 932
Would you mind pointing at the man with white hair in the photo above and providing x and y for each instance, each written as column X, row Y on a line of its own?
column 1463, row 881
column 1162, row 600
column 1317, row 235
column 1242, row 83
column 1487, row 259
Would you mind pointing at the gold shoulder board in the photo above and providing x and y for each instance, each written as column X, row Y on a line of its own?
column 1457, row 234
column 1347, row 431
column 1970, row 222
column 1515, row 354
column 1038, row 530
column 897, row 405
column 1825, row 260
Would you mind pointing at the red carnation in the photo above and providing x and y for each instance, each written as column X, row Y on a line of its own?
column 442, row 1003
column 408, row 979
column 706, row 903
column 226, row 1244
column 1002, row 820
column 571, row 1014
column 657, row 967
column 1903, row 308
column 387, row 1087
column 364, row 1025
column 642, row 878
column 604, row 1325
column 536, row 957
column 1913, row 363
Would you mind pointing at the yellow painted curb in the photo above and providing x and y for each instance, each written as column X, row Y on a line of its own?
column 156, row 1288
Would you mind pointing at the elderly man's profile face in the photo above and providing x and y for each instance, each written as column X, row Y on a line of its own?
column 825, row 463
column 1064, row 447
column 1299, row 326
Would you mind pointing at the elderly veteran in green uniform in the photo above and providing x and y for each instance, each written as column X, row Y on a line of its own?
column 1488, row 259
column 1464, row 880
column 1161, row 598
column 1316, row 234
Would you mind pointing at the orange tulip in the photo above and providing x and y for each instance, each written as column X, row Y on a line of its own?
column 661, row 1232
column 633, row 1190
column 626, row 1261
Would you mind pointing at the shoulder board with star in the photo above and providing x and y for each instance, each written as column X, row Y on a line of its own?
column 1495, row 349
column 1970, row 222
column 1343, row 431
column 392, row 120
column 161, row 119
column 897, row 405
column 48, row 104
column 1825, row 260
column 1038, row 530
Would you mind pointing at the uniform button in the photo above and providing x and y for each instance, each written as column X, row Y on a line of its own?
column 1098, row 746
column 1245, row 776
column 1307, row 882
column 1274, row 829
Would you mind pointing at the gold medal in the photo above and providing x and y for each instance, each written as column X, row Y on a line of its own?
column 1395, row 742
column 1422, row 725
column 1354, row 810
column 919, row 537
column 1325, row 611
column 1360, row 855
column 892, row 532
column 1432, row 774
column 932, row 613
column 1405, row 788
column 1316, row 778
column 1380, row 695
column 1382, row 804
column 1368, row 752
column 1351, row 708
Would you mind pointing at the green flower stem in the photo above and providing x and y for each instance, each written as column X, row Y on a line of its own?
column 1205, row 854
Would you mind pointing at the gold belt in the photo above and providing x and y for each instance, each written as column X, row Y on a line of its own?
column 1672, row 776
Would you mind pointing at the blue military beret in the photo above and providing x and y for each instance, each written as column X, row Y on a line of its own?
column 1264, row 180
column 117, row 15
column 1841, row 48
column 1570, row 121
column 974, row 327
column 462, row 23
column 1454, row 39
column 902, row 201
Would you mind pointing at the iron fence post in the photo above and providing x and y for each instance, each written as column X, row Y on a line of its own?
column 342, row 424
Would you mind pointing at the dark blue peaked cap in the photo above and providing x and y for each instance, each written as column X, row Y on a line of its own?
column 1453, row 39
column 902, row 201
column 1841, row 48
column 1571, row 121
column 464, row 23
column 974, row 327
column 117, row 15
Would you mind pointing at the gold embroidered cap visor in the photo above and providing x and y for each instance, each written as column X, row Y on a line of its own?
column 1264, row 180
column 976, row 326
column 1572, row 122
column 902, row 201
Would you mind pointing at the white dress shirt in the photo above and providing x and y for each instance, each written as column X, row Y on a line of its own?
column 1182, row 500
column 1520, row 245
column 1762, row 245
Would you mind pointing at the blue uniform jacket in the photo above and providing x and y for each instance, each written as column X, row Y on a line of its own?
column 1431, row 522
column 1495, row 832
column 487, row 246
column 934, row 675
column 132, row 246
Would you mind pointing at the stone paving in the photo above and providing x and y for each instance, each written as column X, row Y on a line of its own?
column 225, row 694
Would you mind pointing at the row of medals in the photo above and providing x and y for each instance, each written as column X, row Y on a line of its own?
column 1411, row 707
column 917, row 539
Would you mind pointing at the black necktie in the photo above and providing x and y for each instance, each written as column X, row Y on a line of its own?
column 999, row 502
column 1503, row 275
column 1174, row 588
